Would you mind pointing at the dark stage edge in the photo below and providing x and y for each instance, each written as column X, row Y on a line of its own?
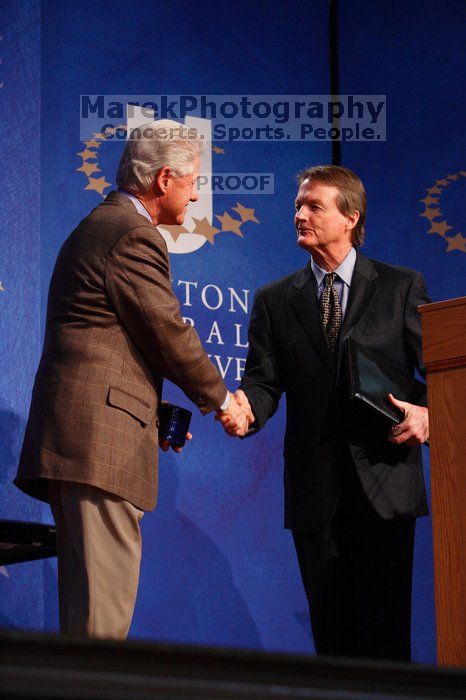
column 50, row 666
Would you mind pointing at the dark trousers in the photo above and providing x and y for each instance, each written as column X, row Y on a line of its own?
column 357, row 575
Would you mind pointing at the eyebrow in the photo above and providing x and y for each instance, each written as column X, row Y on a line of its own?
column 298, row 200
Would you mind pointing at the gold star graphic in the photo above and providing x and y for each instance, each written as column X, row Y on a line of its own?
column 216, row 149
column 431, row 213
column 457, row 242
column 2, row 288
column 462, row 173
column 88, row 168
column 444, row 183
column 440, row 227
column 434, row 190
column 245, row 214
column 230, row 224
column 92, row 144
column 98, row 135
column 204, row 228
column 429, row 200
column 453, row 177
column 99, row 184
column 87, row 154
column 176, row 231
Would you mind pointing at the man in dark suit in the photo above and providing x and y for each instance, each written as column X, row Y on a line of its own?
column 352, row 488
column 113, row 333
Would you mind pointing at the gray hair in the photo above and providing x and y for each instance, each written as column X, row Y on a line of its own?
column 151, row 147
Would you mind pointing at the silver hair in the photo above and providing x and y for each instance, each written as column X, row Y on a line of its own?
column 151, row 147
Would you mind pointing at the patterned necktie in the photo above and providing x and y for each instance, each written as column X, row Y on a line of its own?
column 331, row 311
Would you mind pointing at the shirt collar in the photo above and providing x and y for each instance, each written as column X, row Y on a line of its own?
column 344, row 270
column 139, row 206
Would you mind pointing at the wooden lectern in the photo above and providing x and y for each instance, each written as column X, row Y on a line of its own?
column 444, row 352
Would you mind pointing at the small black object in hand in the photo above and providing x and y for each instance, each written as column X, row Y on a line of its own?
column 174, row 424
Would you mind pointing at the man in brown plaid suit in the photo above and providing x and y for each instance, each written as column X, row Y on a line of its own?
column 113, row 333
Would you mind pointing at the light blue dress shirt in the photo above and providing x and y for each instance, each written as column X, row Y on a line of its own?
column 342, row 283
column 139, row 206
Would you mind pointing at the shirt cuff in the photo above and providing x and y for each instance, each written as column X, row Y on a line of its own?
column 226, row 403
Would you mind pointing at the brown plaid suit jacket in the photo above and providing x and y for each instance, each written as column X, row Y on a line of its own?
column 113, row 333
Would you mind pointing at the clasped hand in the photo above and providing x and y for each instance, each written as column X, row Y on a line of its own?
column 238, row 416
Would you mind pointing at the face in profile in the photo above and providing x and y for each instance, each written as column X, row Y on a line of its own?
column 318, row 220
column 180, row 191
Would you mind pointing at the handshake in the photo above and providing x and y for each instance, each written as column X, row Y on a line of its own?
column 238, row 415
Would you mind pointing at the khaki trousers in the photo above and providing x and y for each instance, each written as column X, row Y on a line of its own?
column 99, row 555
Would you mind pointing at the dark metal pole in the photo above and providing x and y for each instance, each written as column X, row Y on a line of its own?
column 334, row 78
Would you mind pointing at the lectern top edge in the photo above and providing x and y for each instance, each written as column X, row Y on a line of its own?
column 458, row 301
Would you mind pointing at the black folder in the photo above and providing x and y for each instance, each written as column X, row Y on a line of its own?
column 372, row 377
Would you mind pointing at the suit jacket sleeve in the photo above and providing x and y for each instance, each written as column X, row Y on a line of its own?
column 416, row 296
column 261, row 381
column 139, row 287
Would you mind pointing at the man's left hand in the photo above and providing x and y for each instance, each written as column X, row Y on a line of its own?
column 165, row 445
column 414, row 429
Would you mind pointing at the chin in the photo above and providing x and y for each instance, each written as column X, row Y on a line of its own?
column 304, row 244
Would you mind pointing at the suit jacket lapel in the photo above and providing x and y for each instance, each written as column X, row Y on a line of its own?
column 305, row 305
column 363, row 287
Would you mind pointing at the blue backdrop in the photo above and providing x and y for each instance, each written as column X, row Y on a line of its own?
column 218, row 568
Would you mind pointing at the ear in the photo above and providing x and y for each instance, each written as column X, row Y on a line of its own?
column 352, row 220
column 162, row 179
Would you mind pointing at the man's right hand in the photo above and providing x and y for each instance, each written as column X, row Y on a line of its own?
column 238, row 416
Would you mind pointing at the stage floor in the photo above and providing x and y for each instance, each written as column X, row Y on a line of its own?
column 51, row 666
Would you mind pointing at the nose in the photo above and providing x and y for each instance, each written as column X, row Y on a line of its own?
column 194, row 196
column 300, row 214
